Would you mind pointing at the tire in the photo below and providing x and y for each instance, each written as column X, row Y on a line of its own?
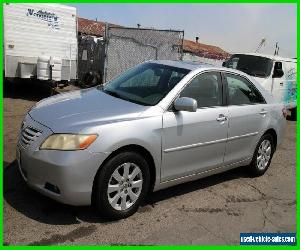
column 294, row 114
column 110, row 202
column 257, row 167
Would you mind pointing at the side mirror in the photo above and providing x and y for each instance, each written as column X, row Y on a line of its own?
column 185, row 104
column 278, row 72
column 224, row 64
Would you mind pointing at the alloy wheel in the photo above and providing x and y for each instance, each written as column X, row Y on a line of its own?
column 125, row 186
column 264, row 154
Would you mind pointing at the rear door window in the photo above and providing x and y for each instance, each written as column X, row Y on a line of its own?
column 241, row 91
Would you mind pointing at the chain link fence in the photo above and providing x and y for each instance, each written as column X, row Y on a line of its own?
column 127, row 47
column 91, row 56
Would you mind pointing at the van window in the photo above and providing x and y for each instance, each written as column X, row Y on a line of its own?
column 252, row 65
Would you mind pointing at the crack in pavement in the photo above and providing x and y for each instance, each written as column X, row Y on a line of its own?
column 214, row 234
column 211, row 210
column 266, row 217
column 71, row 236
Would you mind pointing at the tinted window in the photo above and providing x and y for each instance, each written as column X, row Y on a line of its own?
column 241, row 91
column 252, row 65
column 206, row 89
column 146, row 83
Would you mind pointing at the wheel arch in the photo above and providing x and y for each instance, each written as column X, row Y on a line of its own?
column 273, row 133
column 133, row 148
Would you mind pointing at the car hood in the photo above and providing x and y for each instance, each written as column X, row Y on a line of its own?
column 79, row 109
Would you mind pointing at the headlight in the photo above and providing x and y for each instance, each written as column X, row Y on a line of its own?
column 68, row 141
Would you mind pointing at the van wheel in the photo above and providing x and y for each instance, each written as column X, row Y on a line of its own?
column 294, row 114
column 121, row 185
column 262, row 156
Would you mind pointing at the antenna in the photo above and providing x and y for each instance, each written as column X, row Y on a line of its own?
column 276, row 49
column 263, row 41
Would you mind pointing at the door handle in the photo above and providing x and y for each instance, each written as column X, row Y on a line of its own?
column 221, row 118
column 263, row 112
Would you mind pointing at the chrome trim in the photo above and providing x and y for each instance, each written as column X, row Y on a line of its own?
column 194, row 145
column 241, row 136
column 200, row 144
column 28, row 135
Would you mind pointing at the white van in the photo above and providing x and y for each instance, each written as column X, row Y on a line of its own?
column 276, row 74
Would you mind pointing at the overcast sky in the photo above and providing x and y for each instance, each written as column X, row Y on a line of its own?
column 233, row 27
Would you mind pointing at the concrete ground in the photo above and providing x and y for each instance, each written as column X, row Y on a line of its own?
column 210, row 211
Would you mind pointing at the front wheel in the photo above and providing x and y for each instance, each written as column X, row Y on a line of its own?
column 121, row 185
column 263, row 155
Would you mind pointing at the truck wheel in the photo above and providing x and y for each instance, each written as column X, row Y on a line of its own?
column 294, row 114
column 121, row 185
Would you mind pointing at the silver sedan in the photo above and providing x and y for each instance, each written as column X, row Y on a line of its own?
column 158, row 124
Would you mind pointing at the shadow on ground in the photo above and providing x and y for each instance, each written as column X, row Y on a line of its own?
column 45, row 210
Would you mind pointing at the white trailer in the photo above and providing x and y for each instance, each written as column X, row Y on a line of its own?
column 40, row 41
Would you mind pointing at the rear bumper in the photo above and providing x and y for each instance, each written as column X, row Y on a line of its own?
column 71, row 173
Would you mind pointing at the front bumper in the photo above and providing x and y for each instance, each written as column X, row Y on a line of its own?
column 71, row 173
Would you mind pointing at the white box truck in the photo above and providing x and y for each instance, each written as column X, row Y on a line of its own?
column 40, row 42
column 276, row 74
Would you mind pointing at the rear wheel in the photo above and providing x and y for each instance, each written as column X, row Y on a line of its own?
column 121, row 185
column 294, row 114
column 263, row 155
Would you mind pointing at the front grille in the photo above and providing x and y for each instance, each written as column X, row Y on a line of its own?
column 28, row 135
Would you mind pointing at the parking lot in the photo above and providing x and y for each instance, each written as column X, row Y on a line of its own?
column 214, row 210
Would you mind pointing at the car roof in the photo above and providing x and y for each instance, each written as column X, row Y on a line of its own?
column 190, row 65
column 185, row 64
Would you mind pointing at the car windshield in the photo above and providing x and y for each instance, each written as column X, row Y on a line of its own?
column 252, row 65
column 146, row 84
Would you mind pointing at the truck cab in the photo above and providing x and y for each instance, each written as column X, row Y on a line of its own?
column 276, row 74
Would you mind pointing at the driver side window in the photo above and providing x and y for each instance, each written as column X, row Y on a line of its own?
column 206, row 89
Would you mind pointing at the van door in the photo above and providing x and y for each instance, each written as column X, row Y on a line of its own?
column 290, row 91
column 284, row 87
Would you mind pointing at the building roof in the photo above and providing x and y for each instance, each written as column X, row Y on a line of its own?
column 91, row 27
column 204, row 50
column 97, row 28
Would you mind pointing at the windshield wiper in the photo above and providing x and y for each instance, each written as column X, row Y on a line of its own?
column 100, row 87
column 112, row 93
